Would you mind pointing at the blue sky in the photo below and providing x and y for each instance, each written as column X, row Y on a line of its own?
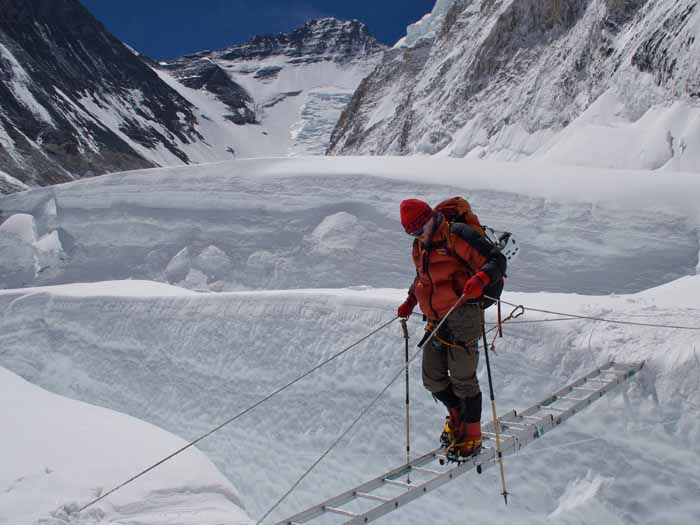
column 165, row 29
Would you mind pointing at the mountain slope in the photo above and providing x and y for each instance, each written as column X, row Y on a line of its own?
column 554, row 79
column 77, row 102
column 283, row 92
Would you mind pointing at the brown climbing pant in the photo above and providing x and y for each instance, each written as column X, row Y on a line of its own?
column 455, row 363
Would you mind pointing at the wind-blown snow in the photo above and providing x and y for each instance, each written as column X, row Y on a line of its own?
column 59, row 454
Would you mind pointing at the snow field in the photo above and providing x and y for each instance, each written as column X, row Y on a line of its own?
column 58, row 454
column 276, row 223
column 187, row 363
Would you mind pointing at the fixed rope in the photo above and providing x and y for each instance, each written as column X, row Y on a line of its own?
column 570, row 317
column 240, row 414
column 337, row 441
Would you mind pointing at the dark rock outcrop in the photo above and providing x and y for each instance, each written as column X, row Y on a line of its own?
column 323, row 39
column 77, row 102
column 202, row 73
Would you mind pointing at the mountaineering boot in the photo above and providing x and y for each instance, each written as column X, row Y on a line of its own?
column 467, row 443
column 453, row 405
column 452, row 424
column 468, row 440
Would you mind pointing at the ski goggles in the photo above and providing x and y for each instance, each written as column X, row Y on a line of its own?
column 418, row 232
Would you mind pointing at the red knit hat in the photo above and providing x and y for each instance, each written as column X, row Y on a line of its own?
column 414, row 214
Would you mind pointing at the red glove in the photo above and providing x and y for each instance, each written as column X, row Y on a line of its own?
column 406, row 309
column 474, row 287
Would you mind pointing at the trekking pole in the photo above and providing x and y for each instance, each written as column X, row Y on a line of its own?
column 404, row 326
column 430, row 336
column 496, row 425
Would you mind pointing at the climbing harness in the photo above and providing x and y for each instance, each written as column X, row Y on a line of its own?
column 432, row 334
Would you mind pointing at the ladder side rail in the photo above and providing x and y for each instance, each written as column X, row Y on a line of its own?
column 420, row 490
column 553, row 398
column 516, row 440
column 582, row 381
column 564, row 414
column 532, row 432
column 367, row 487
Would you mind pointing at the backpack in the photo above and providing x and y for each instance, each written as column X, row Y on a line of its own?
column 458, row 210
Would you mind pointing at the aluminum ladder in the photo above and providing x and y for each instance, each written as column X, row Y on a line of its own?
column 431, row 470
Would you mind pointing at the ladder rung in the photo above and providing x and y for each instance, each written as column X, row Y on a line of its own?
column 398, row 483
column 500, row 436
column 514, row 425
column 341, row 512
column 371, row 496
column 427, row 471
column 536, row 420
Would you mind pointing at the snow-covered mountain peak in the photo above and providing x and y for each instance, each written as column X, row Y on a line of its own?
column 277, row 95
column 330, row 38
column 77, row 102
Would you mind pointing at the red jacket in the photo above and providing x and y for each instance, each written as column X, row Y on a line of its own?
column 454, row 253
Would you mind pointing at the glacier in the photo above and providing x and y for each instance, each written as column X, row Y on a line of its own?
column 88, row 327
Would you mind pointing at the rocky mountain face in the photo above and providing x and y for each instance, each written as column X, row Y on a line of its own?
column 285, row 92
column 326, row 39
column 610, row 83
column 77, row 102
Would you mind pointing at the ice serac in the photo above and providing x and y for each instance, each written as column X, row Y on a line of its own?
column 550, row 79
column 77, row 102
